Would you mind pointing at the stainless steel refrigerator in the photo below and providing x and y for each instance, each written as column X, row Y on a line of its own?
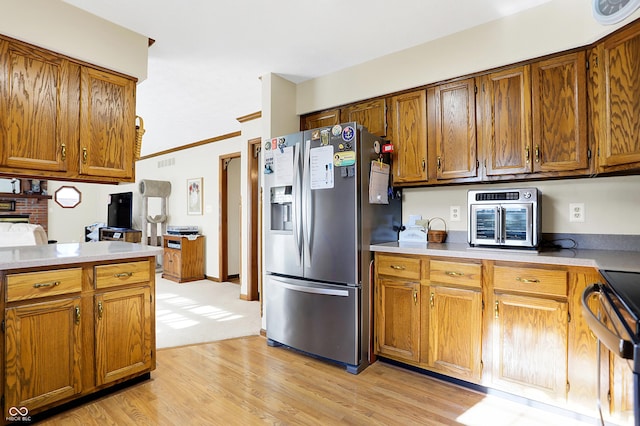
column 326, row 200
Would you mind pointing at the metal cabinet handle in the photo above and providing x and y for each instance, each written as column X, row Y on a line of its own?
column 527, row 281
column 527, row 155
column 100, row 309
column 432, row 299
column 77, row 314
column 84, row 155
column 50, row 284
column 423, row 164
column 439, row 163
column 454, row 274
column 64, row 151
column 397, row 267
column 123, row 275
column 415, row 297
column 537, row 153
column 496, row 309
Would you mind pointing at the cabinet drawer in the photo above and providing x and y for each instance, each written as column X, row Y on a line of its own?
column 31, row 285
column 398, row 266
column 530, row 280
column 121, row 273
column 460, row 273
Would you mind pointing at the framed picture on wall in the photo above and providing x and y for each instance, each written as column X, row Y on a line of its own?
column 194, row 196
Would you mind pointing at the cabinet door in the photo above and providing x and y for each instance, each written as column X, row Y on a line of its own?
column 530, row 346
column 43, row 353
column 507, row 122
column 35, row 97
column 455, row 331
column 371, row 114
column 616, row 100
column 321, row 119
column 107, row 124
column 559, row 103
column 409, row 137
column 123, row 333
column 454, row 129
column 398, row 319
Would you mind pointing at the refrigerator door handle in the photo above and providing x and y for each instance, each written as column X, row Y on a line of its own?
column 306, row 196
column 314, row 290
column 297, row 201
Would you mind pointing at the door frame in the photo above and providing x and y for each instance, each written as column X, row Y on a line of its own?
column 223, row 255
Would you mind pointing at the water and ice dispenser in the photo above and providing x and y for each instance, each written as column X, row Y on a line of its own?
column 281, row 208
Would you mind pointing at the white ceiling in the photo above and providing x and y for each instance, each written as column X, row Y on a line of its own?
column 204, row 67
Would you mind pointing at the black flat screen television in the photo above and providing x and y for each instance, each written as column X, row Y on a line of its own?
column 119, row 211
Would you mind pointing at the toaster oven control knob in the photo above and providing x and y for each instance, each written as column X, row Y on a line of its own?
column 526, row 195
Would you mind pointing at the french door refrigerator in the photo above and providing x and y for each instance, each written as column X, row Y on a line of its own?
column 320, row 216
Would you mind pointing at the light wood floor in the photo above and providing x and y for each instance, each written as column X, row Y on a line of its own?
column 244, row 382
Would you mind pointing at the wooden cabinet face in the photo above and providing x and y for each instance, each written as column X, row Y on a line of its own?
column 453, row 120
column 507, row 122
column 34, row 106
column 409, row 137
column 455, row 331
column 371, row 114
column 398, row 319
column 322, row 119
column 107, row 124
column 530, row 346
column 616, row 103
column 43, row 353
column 123, row 333
column 559, row 99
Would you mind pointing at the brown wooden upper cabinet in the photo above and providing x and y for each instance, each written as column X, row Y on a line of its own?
column 35, row 108
column 107, row 124
column 506, row 118
column 535, row 119
column 559, row 108
column 451, row 137
column 615, row 100
column 408, row 135
column 321, row 119
column 64, row 120
column 371, row 114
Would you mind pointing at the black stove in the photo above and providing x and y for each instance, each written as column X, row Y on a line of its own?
column 617, row 324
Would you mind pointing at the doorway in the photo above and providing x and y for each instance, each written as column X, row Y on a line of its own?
column 229, row 248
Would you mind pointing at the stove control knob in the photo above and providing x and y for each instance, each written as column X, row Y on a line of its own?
column 526, row 195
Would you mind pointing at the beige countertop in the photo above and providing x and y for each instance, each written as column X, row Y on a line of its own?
column 600, row 259
column 69, row 253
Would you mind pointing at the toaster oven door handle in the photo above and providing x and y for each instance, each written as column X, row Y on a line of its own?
column 621, row 347
column 499, row 225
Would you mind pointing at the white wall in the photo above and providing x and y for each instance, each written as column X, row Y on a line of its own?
column 62, row 28
column 66, row 225
column 611, row 204
column 552, row 27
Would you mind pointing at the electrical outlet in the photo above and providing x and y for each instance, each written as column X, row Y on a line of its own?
column 576, row 212
column 454, row 213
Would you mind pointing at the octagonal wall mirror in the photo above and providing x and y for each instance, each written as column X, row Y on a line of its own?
column 67, row 197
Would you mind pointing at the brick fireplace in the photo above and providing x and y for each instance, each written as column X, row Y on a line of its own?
column 16, row 207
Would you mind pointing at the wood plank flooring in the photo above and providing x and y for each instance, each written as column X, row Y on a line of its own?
column 244, row 382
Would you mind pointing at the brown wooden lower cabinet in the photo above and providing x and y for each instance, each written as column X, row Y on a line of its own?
column 516, row 327
column 71, row 331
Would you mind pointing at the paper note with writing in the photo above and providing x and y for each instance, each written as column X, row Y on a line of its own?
column 321, row 167
column 283, row 166
column 379, row 183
